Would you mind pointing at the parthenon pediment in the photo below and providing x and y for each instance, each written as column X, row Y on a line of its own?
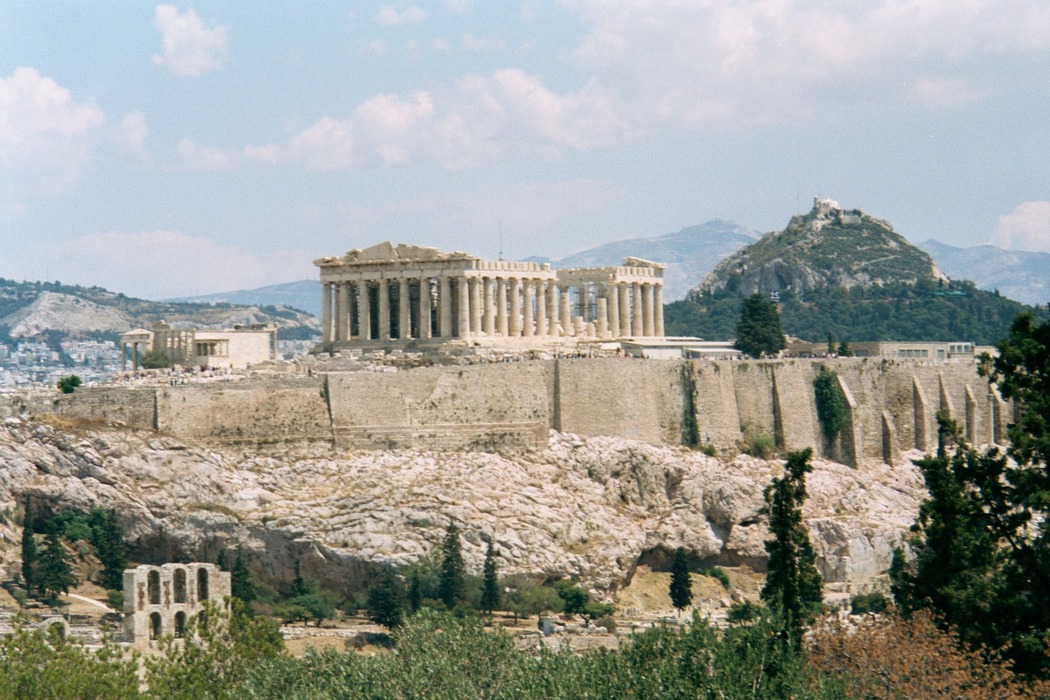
column 388, row 251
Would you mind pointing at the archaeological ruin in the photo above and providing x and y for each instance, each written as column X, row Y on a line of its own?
column 404, row 295
column 161, row 600
column 236, row 348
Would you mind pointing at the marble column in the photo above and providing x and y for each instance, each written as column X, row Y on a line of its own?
column 425, row 300
column 625, row 309
column 613, row 294
column 530, row 299
column 384, row 309
column 647, row 310
column 351, row 309
column 658, row 303
column 552, row 310
column 514, row 322
column 638, row 327
column 326, row 312
column 566, row 311
column 445, row 304
column 404, row 310
column 476, row 308
column 463, row 287
column 490, row 307
column 601, row 325
column 342, row 310
column 541, row 307
column 501, row 307
column 364, row 312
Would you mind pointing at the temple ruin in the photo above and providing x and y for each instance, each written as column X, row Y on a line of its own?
column 236, row 348
column 397, row 295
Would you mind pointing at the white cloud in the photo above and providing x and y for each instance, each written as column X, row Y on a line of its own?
column 1027, row 227
column 190, row 47
column 164, row 264
column 457, row 127
column 391, row 17
column 196, row 157
column 45, row 135
column 133, row 132
column 731, row 60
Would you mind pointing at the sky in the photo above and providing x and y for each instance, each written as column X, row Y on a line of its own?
column 165, row 150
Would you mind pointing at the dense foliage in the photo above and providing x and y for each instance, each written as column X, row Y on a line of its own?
column 831, row 403
column 793, row 583
column 69, row 384
column 758, row 330
column 896, row 311
column 982, row 554
column 681, row 588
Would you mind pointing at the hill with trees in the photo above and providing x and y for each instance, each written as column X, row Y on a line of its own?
column 847, row 274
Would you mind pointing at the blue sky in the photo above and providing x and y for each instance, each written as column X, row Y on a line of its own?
column 163, row 150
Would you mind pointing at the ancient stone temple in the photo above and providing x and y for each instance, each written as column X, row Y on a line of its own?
column 406, row 294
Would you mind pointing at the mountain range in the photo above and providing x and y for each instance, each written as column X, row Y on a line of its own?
column 695, row 250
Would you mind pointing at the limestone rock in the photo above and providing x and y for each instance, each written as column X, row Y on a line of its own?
column 589, row 507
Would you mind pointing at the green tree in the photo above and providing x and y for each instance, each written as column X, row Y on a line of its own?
column 831, row 402
column 29, row 553
column 793, row 583
column 982, row 550
column 451, row 586
column 109, row 546
column 386, row 600
column 155, row 359
column 55, row 571
column 844, row 349
column 241, row 584
column 300, row 586
column 67, row 385
column 681, row 586
column 758, row 331
column 490, row 591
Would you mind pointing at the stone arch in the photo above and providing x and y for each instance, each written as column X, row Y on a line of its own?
column 180, row 624
column 153, row 585
column 179, row 584
column 202, row 584
column 156, row 626
column 55, row 627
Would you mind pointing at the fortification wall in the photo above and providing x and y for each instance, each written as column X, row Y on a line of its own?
column 509, row 406
column 641, row 400
column 485, row 407
column 243, row 413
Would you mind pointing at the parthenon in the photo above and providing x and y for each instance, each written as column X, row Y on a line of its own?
column 401, row 294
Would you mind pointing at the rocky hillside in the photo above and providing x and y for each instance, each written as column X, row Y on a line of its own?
column 1016, row 274
column 593, row 508
column 32, row 308
column 826, row 247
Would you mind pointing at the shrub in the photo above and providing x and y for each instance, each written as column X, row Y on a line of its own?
column 831, row 402
column 717, row 573
column 743, row 612
column 863, row 603
column 155, row 359
column 758, row 444
column 115, row 599
column 67, row 385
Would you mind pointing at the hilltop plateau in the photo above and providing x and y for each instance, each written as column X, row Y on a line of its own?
column 595, row 508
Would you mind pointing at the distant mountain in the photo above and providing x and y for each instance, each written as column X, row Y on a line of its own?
column 688, row 253
column 1019, row 275
column 304, row 295
column 827, row 246
column 847, row 274
column 35, row 308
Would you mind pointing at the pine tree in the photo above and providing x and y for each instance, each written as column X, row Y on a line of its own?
column 386, row 600
column 490, row 592
column 758, row 331
column 241, row 584
column 55, row 571
column 110, row 548
column 681, row 587
column 792, row 581
column 29, row 553
column 453, row 571
column 299, row 585
column 415, row 591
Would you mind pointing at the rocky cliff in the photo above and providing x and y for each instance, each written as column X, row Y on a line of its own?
column 594, row 508
column 828, row 246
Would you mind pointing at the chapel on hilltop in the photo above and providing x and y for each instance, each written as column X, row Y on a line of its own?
column 391, row 295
